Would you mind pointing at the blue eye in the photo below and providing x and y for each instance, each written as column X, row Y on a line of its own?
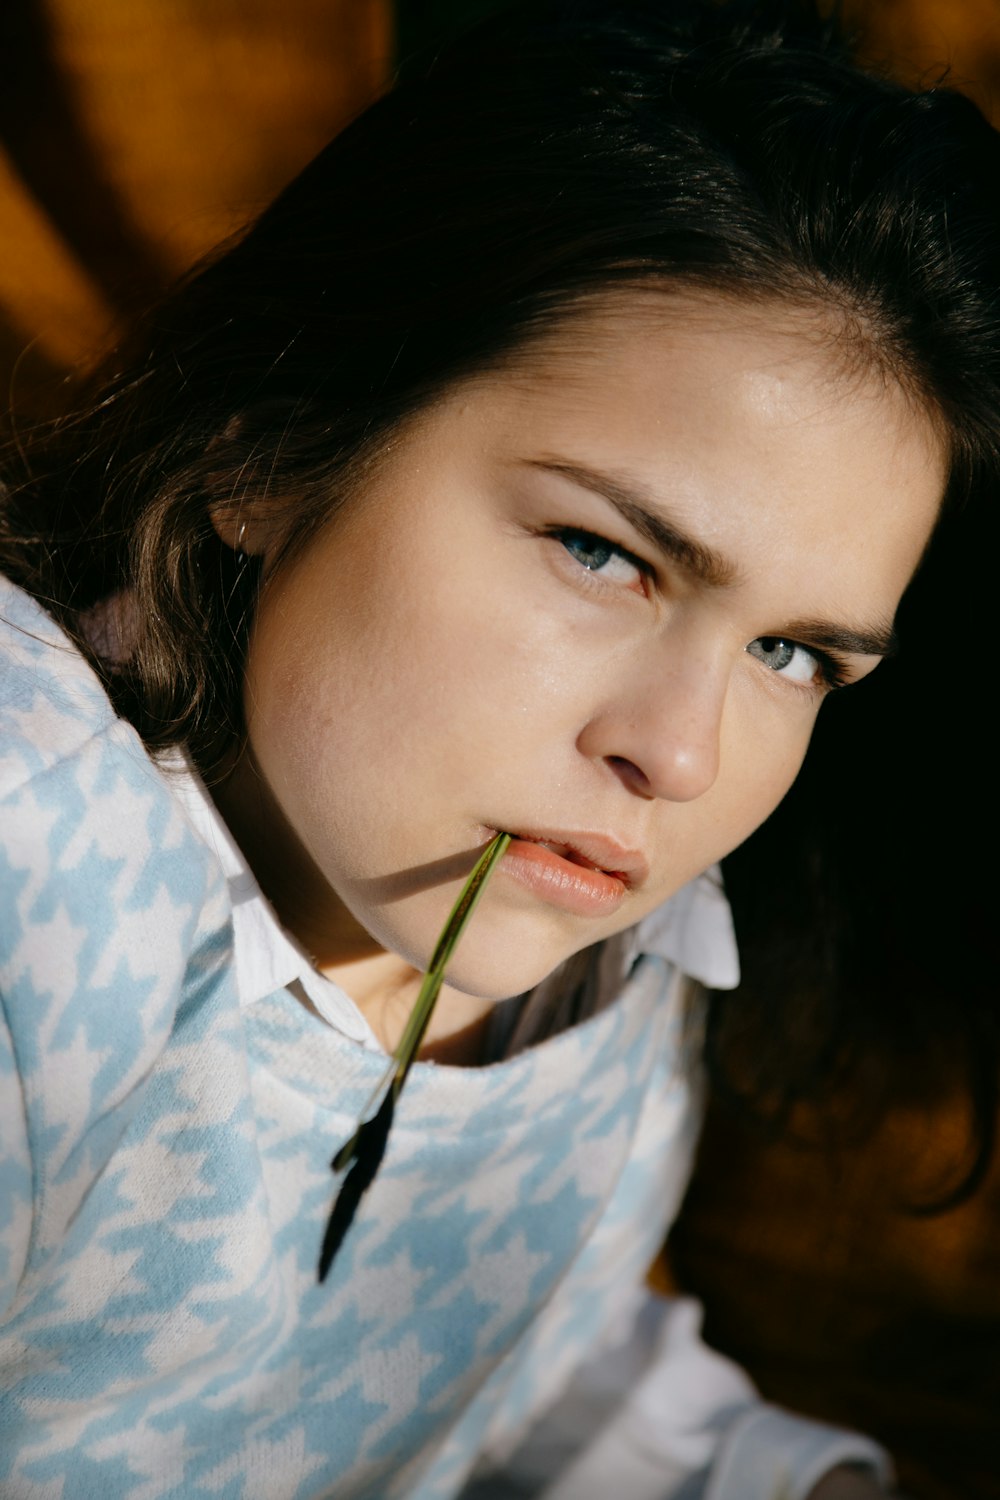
column 590, row 551
column 788, row 658
column 597, row 555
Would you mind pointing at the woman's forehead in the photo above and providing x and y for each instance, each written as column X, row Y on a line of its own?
column 695, row 354
column 748, row 432
column 842, row 343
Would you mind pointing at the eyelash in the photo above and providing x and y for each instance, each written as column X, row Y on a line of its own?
column 833, row 671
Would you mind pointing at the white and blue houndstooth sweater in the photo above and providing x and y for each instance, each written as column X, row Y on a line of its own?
column 165, row 1179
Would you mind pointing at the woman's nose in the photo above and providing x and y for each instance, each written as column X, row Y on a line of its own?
column 663, row 737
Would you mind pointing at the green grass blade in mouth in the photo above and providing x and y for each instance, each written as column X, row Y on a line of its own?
column 461, row 912
column 358, row 1159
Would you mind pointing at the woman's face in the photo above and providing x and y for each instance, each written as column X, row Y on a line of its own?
column 594, row 599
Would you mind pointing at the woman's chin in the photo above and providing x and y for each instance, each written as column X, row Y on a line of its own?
column 505, row 950
column 492, row 969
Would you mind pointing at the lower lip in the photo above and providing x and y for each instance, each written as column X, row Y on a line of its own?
column 573, row 888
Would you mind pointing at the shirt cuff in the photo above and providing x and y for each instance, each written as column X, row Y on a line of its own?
column 767, row 1452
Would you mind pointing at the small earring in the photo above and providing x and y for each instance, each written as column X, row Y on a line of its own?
column 240, row 550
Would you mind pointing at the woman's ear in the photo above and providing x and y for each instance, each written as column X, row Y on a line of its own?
column 233, row 523
column 247, row 524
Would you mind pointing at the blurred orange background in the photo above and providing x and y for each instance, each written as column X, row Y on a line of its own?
column 133, row 137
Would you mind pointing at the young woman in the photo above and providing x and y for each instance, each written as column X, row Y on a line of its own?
column 539, row 463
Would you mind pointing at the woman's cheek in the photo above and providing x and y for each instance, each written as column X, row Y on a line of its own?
column 764, row 760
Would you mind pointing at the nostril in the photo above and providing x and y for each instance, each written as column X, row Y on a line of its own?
column 631, row 775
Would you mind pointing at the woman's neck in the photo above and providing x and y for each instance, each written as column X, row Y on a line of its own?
column 382, row 985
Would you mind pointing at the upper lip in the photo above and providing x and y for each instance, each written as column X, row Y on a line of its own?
column 598, row 850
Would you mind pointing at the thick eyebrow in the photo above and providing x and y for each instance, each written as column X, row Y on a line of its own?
column 642, row 512
column 877, row 640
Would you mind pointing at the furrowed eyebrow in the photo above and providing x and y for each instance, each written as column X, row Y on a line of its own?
column 639, row 509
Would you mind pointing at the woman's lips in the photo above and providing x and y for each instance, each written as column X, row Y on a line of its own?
column 586, row 874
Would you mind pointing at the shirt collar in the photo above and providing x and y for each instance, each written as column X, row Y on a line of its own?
column 693, row 930
column 267, row 957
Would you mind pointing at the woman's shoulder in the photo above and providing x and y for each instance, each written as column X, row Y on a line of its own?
column 103, row 882
column 84, row 806
column 86, row 813
column 51, row 702
column 97, row 858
